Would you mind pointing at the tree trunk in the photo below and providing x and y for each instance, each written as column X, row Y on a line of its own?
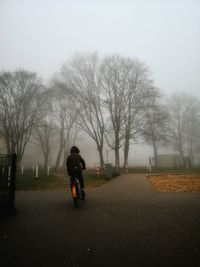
column 180, row 149
column 65, row 158
column 117, row 158
column 191, row 153
column 155, row 151
column 61, row 147
column 46, row 160
column 58, row 158
column 126, row 152
column 101, row 159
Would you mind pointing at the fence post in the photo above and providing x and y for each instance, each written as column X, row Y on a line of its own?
column 36, row 171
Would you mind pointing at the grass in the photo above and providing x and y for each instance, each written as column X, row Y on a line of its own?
column 56, row 181
column 92, row 180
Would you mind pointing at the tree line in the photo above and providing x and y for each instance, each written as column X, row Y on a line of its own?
column 112, row 99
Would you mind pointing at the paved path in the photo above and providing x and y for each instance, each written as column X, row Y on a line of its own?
column 122, row 223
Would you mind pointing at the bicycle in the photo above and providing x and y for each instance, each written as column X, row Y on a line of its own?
column 77, row 193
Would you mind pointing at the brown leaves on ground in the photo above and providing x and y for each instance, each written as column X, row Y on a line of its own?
column 175, row 182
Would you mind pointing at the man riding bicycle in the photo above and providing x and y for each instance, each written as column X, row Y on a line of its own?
column 75, row 164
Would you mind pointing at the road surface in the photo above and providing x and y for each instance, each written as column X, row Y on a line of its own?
column 122, row 223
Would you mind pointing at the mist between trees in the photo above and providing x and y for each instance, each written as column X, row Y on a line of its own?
column 112, row 99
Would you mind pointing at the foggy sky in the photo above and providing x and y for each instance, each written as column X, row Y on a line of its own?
column 40, row 35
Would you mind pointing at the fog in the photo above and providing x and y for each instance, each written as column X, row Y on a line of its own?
column 42, row 35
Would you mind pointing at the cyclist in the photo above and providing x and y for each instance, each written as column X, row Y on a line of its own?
column 75, row 164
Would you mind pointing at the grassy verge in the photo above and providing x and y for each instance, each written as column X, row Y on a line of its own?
column 92, row 180
column 55, row 181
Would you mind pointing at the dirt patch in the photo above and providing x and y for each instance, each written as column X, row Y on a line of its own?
column 175, row 183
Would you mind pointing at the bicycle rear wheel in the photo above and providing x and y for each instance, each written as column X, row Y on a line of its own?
column 82, row 194
column 76, row 195
column 76, row 202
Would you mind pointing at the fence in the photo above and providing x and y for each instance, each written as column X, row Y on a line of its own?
column 7, row 181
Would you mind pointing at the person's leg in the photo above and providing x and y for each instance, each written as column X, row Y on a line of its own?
column 82, row 185
column 81, row 180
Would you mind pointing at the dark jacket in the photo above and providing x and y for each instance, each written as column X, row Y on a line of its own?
column 76, row 159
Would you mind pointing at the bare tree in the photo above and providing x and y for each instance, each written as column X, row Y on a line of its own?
column 182, row 124
column 42, row 137
column 82, row 82
column 138, row 96
column 128, row 90
column 65, row 118
column 21, row 101
column 114, row 73
column 70, row 141
column 191, row 126
column 155, row 119
column 43, row 134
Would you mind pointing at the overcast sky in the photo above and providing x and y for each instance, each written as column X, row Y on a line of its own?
column 40, row 35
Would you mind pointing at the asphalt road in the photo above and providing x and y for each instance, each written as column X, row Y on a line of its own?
column 122, row 223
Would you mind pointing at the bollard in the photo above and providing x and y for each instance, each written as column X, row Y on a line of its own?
column 97, row 171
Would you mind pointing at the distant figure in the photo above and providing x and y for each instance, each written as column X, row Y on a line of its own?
column 75, row 165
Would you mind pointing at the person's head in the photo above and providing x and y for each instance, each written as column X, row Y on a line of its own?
column 74, row 149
